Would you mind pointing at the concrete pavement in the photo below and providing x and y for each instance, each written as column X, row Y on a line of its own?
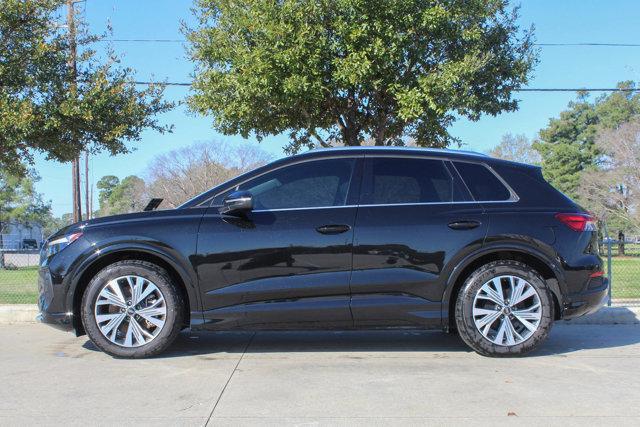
column 585, row 374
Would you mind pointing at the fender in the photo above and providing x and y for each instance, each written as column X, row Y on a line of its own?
column 155, row 248
column 557, row 286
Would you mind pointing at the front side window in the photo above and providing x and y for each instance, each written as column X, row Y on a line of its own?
column 406, row 181
column 319, row 183
column 482, row 183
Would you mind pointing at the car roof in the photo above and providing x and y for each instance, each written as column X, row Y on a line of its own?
column 398, row 150
column 430, row 152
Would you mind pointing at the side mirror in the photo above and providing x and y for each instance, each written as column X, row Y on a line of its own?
column 237, row 202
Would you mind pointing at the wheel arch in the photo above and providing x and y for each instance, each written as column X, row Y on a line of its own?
column 535, row 259
column 110, row 256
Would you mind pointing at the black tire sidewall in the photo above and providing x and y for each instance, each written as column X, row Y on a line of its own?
column 156, row 275
column 464, row 309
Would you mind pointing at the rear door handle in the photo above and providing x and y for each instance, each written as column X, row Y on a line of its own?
column 464, row 225
column 333, row 229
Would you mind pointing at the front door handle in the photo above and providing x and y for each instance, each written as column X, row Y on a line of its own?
column 464, row 225
column 333, row 229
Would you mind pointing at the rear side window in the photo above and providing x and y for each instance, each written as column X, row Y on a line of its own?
column 405, row 180
column 482, row 183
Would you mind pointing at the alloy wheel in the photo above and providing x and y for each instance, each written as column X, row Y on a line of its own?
column 130, row 311
column 507, row 310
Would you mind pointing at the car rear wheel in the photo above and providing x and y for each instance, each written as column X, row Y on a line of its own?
column 132, row 309
column 504, row 309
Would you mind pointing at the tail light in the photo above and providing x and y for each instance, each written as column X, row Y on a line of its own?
column 577, row 222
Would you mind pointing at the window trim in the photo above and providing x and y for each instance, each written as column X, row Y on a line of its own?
column 513, row 196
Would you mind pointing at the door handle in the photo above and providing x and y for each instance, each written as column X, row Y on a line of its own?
column 464, row 225
column 333, row 229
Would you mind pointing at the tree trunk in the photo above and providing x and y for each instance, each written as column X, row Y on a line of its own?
column 380, row 131
column 349, row 132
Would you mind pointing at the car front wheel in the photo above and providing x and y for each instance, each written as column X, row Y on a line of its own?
column 132, row 309
column 504, row 309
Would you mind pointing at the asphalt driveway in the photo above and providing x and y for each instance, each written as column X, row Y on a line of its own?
column 585, row 374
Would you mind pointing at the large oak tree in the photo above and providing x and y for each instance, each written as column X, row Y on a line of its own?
column 347, row 71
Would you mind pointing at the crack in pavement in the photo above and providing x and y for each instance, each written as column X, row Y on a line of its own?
column 246, row 347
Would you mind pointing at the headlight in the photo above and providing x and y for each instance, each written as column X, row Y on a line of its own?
column 55, row 246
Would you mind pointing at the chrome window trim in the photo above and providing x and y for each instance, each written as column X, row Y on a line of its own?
column 513, row 196
column 304, row 209
column 382, row 205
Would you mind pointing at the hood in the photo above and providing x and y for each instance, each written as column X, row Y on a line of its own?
column 113, row 219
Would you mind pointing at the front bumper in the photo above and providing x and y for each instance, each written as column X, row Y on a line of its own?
column 51, row 303
column 588, row 301
column 62, row 321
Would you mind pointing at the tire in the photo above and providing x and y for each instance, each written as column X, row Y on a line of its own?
column 476, row 307
column 141, row 330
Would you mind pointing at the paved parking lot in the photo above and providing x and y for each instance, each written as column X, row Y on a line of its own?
column 584, row 375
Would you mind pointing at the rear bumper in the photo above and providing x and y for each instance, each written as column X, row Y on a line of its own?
column 587, row 302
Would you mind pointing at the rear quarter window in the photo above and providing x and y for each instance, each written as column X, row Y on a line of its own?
column 483, row 184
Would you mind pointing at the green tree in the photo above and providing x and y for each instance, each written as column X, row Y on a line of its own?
column 567, row 145
column 19, row 202
column 105, row 186
column 129, row 195
column 43, row 110
column 344, row 71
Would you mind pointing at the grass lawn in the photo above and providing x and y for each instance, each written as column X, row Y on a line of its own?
column 20, row 286
column 625, row 277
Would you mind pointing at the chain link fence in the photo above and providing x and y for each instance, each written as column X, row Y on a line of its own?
column 622, row 265
column 19, row 273
column 19, row 276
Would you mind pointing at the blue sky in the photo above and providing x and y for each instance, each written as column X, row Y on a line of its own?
column 556, row 21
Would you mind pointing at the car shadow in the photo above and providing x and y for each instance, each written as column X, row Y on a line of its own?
column 564, row 339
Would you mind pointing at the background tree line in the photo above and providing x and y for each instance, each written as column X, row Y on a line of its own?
column 178, row 176
column 591, row 152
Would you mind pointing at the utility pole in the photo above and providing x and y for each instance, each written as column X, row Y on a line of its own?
column 73, row 87
column 87, row 207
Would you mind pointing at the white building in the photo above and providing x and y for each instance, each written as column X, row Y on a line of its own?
column 21, row 236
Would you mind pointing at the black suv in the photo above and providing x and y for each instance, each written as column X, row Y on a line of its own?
column 349, row 238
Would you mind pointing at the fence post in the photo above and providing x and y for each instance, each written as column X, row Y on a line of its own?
column 609, row 272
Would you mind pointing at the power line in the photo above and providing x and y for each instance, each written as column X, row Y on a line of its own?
column 585, row 89
column 161, row 83
column 535, row 44
column 617, row 89
column 590, row 44
column 146, row 40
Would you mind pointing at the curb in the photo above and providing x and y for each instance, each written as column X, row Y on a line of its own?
column 24, row 313
column 18, row 313
column 609, row 316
